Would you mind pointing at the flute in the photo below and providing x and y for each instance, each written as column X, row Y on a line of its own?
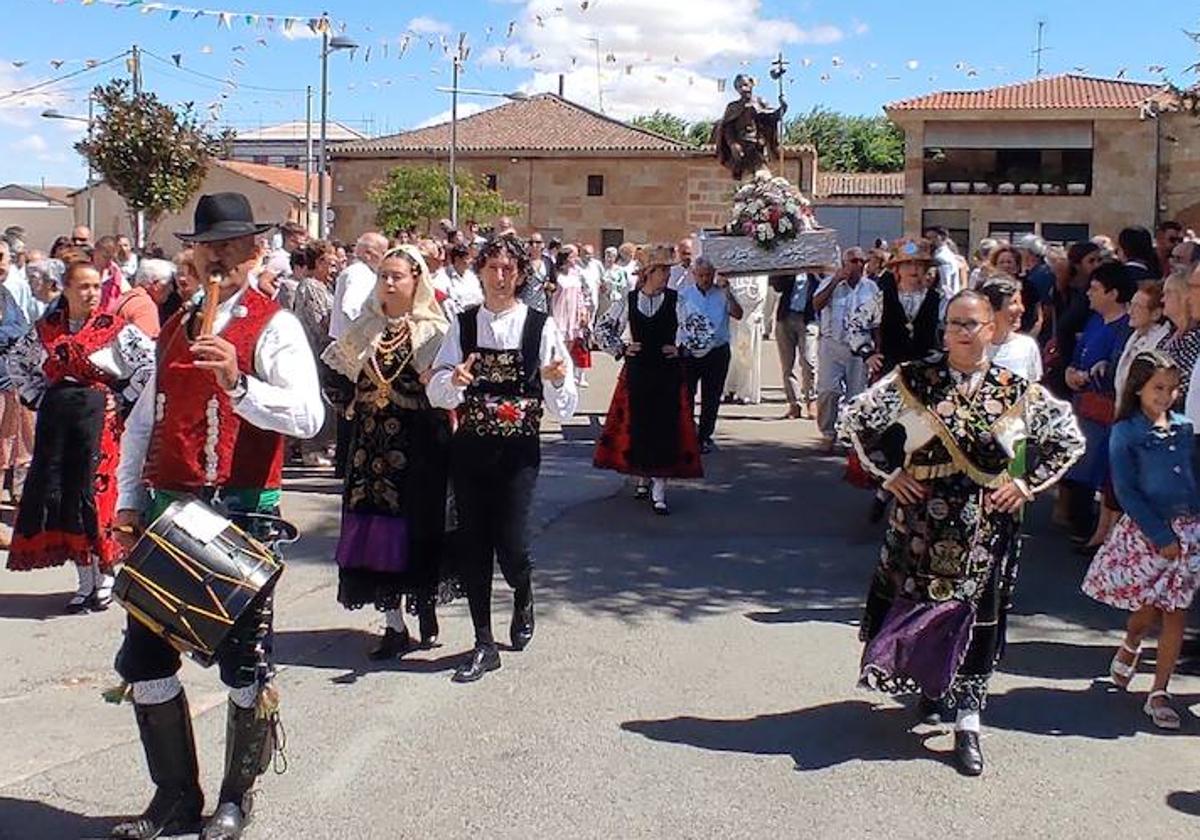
column 212, row 294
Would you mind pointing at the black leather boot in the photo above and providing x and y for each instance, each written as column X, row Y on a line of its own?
column 520, row 633
column 166, row 732
column 427, row 620
column 248, row 746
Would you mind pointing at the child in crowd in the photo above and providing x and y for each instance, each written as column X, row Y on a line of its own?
column 1150, row 563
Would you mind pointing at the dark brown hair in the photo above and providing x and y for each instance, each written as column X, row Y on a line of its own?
column 1145, row 364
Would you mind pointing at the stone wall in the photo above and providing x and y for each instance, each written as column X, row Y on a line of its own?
column 1123, row 183
column 647, row 198
column 1179, row 175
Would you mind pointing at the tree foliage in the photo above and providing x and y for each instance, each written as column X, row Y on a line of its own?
column 844, row 143
column 847, row 143
column 417, row 196
column 154, row 156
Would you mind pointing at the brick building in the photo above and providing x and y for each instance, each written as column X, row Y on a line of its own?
column 575, row 172
column 1065, row 156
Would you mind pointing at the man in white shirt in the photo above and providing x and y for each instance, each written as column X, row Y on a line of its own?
column 501, row 365
column 126, row 259
column 294, row 237
column 356, row 282
column 707, row 368
column 946, row 261
column 681, row 272
column 841, row 375
column 592, row 272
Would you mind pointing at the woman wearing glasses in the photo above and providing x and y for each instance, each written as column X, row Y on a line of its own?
column 963, row 444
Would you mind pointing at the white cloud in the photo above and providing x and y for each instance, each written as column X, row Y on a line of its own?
column 424, row 25
column 665, row 54
column 31, row 143
column 465, row 109
column 299, row 32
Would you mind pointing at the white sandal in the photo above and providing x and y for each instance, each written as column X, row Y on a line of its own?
column 1164, row 717
column 1122, row 673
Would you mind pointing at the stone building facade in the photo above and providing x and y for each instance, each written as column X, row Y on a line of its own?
column 575, row 173
column 1068, row 157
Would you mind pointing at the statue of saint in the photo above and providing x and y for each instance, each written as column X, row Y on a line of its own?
column 747, row 137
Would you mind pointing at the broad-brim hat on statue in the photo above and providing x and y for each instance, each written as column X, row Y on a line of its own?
column 222, row 216
column 911, row 250
column 655, row 255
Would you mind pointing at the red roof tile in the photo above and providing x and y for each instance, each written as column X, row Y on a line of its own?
column 844, row 184
column 544, row 122
column 1063, row 92
column 290, row 181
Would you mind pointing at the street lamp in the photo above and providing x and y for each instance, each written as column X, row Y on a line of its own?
column 55, row 114
column 328, row 45
column 454, row 90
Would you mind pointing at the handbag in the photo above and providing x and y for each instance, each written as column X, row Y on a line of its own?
column 1097, row 407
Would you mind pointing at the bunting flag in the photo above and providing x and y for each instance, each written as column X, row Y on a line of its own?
column 319, row 24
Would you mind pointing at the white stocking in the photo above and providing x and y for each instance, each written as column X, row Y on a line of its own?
column 658, row 489
column 244, row 697
column 967, row 721
column 87, row 579
column 395, row 620
column 153, row 692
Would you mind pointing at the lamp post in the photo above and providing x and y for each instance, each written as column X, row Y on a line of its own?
column 454, row 91
column 53, row 114
column 328, row 45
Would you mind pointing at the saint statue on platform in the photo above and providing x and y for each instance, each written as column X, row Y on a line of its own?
column 747, row 136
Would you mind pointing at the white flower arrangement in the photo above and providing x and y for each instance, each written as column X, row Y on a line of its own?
column 769, row 209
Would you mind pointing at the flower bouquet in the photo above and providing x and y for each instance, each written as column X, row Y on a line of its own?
column 770, row 209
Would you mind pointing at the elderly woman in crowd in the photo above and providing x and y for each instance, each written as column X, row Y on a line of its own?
column 45, row 280
column 1183, row 343
column 149, row 287
column 313, row 305
column 394, row 505
column 82, row 370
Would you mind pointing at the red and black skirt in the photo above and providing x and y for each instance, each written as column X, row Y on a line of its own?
column 67, row 510
column 649, row 430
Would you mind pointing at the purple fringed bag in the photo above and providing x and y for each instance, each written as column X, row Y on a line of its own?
column 922, row 640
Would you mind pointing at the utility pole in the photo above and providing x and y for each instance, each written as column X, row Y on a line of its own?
column 595, row 41
column 139, row 218
column 308, row 159
column 454, row 140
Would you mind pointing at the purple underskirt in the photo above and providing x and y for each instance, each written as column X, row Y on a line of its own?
column 374, row 542
column 921, row 641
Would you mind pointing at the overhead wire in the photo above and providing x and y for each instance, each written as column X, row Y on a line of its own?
column 172, row 65
column 56, row 80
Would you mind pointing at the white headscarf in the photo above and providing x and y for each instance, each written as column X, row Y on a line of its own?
column 426, row 325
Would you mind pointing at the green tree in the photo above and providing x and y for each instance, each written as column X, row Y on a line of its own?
column 417, row 196
column 661, row 122
column 700, row 133
column 154, row 156
column 847, row 143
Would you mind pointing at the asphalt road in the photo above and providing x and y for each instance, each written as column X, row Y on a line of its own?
column 691, row 677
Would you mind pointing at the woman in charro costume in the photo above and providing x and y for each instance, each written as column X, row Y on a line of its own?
column 82, row 371
column 394, row 513
column 963, row 445
column 648, row 431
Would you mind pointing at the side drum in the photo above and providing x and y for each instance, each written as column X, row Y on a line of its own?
column 192, row 575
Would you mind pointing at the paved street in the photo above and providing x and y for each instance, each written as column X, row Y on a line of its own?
column 691, row 677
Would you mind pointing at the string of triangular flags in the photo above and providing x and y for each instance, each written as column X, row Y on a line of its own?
column 317, row 24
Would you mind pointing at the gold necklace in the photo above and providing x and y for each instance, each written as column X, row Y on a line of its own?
column 387, row 348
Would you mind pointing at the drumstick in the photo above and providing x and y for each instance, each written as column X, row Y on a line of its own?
column 212, row 293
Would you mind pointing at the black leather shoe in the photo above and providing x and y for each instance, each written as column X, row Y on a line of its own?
column 520, row 632
column 928, row 711
column 967, row 753
column 227, row 823
column 392, row 645
column 484, row 658
column 427, row 619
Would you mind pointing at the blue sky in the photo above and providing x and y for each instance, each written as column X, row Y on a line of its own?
column 631, row 56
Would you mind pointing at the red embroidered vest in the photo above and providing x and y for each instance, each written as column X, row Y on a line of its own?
column 198, row 440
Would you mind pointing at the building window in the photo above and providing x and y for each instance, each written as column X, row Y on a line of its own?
column 595, row 185
column 493, row 181
column 956, row 222
column 611, row 238
column 261, row 159
column 1065, row 233
column 1008, row 171
column 292, row 161
column 1009, row 231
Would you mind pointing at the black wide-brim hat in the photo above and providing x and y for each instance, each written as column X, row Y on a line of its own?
column 221, row 216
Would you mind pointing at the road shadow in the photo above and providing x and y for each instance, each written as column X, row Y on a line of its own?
column 34, row 606
column 21, row 819
column 1102, row 711
column 345, row 650
column 821, row 615
column 815, row 738
column 1056, row 660
column 1185, row 801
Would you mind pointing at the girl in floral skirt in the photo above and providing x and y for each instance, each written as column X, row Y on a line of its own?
column 1150, row 563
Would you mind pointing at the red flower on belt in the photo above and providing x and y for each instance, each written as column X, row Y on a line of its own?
column 510, row 413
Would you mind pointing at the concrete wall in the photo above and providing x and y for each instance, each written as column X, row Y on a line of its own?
column 1123, row 181
column 649, row 199
column 268, row 204
column 42, row 222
